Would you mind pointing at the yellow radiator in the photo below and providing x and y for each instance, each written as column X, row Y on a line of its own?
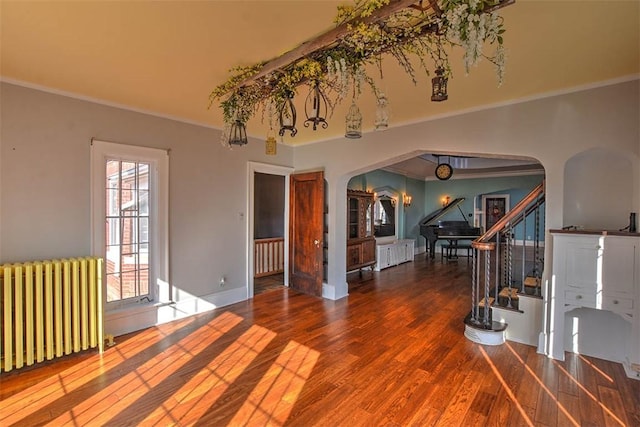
column 49, row 309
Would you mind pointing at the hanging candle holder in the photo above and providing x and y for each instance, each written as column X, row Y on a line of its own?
column 382, row 112
column 315, row 107
column 287, row 115
column 439, row 86
column 270, row 145
column 439, row 82
column 238, row 133
column 353, row 121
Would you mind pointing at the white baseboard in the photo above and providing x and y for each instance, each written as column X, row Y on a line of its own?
column 133, row 319
column 329, row 292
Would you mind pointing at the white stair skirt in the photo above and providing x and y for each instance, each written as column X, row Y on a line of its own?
column 485, row 337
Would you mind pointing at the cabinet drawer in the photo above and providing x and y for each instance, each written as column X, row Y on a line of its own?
column 579, row 297
column 616, row 303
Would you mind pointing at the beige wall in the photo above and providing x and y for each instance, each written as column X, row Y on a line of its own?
column 44, row 172
column 45, row 191
column 552, row 129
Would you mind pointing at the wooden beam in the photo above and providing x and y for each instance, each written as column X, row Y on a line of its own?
column 324, row 40
column 330, row 37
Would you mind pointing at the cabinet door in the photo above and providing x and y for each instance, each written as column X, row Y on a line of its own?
column 619, row 264
column 383, row 256
column 584, row 264
column 352, row 217
column 368, row 251
column 354, row 255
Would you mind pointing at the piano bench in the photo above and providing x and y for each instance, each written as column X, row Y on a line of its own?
column 450, row 251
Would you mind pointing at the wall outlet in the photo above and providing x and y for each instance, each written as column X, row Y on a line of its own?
column 223, row 281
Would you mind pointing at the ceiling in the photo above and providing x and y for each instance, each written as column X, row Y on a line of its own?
column 166, row 57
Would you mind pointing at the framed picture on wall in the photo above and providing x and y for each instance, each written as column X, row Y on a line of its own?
column 495, row 207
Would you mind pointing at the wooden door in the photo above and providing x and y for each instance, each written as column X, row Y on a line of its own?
column 306, row 232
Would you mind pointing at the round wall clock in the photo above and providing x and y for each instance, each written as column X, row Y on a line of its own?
column 444, row 171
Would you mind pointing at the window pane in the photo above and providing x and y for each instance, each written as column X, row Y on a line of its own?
column 144, row 282
column 129, row 200
column 113, row 173
column 143, row 176
column 128, row 284
column 128, row 175
column 128, row 231
column 113, row 231
column 113, row 287
column 112, row 202
column 143, row 204
column 144, row 230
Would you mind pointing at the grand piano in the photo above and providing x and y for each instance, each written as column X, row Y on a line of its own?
column 433, row 230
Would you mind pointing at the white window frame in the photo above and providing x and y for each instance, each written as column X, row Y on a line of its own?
column 158, row 161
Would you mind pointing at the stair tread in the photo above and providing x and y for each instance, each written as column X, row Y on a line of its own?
column 481, row 302
column 532, row 281
column 505, row 293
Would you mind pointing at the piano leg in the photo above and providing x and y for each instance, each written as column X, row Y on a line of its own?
column 431, row 248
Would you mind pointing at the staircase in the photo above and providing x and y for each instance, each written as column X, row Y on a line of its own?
column 506, row 297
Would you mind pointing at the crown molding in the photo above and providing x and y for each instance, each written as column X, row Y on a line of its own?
column 103, row 102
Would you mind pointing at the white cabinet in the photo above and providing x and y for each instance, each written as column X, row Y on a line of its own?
column 598, row 271
column 397, row 252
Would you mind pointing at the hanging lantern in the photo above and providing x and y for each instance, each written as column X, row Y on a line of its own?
column 315, row 107
column 287, row 115
column 270, row 146
column 237, row 134
column 439, row 86
column 382, row 112
column 354, row 121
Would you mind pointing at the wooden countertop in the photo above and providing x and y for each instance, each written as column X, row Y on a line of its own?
column 596, row 232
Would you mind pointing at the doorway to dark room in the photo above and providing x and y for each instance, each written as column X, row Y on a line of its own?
column 268, row 232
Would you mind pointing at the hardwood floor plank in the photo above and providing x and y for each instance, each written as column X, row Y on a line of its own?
column 612, row 407
column 460, row 402
column 392, row 353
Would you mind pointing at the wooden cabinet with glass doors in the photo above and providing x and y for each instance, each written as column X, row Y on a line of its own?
column 361, row 245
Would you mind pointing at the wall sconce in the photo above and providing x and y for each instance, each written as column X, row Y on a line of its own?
column 445, row 201
column 406, row 200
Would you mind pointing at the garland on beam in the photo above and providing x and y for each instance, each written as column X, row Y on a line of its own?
column 364, row 32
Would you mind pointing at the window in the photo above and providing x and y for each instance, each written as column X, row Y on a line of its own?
column 129, row 212
column 127, row 221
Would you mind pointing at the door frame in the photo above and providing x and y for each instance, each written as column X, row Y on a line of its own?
column 505, row 198
column 252, row 169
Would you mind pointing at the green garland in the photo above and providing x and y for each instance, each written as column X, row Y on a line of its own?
column 405, row 35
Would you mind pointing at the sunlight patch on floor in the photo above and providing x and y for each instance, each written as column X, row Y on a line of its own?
column 196, row 396
column 119, row 395
column 20, row 405
column 588, row 393
column 506, row 387
column 273, row 398
column 543, row 386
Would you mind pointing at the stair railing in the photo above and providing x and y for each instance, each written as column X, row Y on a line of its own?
column 490, row 270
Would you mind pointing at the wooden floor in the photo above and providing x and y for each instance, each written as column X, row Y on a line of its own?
column 268, row 283
column 392, row 353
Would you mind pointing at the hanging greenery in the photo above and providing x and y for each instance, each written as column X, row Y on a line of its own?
column 411, row 35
